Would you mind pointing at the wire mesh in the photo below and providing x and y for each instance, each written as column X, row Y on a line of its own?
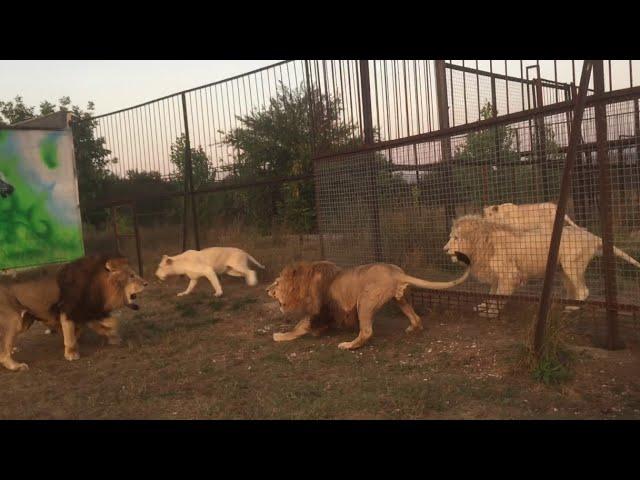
column 397, row 205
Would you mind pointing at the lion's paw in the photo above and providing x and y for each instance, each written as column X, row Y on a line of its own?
column 279, row 337
column 218, row 294
column 71, row 356
column 20, row 367
column 345, row 345
column 411, row 329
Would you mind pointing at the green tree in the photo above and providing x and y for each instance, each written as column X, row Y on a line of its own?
column 15, row 111
column 277, row 141
column 202, row 169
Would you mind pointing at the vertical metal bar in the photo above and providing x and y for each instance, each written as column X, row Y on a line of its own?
column 552, row 259
column 541, row 142
column 371, row 170
column 114, row 221
column 136, row 232
column 445, row 143
column 610, row 286
column 494, row 114
column 311, row 112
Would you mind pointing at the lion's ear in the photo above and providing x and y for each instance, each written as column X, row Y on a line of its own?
column 495, row 208
column 169, row 261
column 115, row 263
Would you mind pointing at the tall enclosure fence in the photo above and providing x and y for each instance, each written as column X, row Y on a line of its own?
column 364, row 160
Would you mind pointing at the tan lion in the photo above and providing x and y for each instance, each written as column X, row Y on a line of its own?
column 505, row 257
column 98, row 290
column 525, row 217
column 328, row 296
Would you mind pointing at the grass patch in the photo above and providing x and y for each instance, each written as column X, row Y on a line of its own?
column 553, row 365
column 186, row 309
column 242, row 302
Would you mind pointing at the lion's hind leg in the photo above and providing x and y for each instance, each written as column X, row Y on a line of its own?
column 9, row 333
column 414, row 318
column 368, row 305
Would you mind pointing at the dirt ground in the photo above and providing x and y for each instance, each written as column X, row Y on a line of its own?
column 200, row 357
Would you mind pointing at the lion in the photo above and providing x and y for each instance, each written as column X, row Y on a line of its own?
column 525, row 217
column 90, row 289
column 328, row 296
column 39, row 299
column 506, row 257
column 208, row 263
column 6, row 188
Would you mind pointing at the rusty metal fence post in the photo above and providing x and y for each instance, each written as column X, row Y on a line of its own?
column 314, row 149
column 188, row 183
column 445, row 144
column 606, row 221
column 552, row 259
column 372, row 170
column 136, row 232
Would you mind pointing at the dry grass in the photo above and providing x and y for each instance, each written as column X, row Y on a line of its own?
column 199, row 357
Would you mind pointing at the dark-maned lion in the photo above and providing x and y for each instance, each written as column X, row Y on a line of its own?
column 90, row 289
column 327, row 296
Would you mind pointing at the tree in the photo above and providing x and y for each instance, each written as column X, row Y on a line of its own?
column 202, row 170
column 277, row 141
column 11, row 112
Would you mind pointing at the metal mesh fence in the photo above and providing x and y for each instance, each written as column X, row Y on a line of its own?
column 398, row 205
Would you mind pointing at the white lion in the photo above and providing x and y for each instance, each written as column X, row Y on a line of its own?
column 525, row 217
column 505, row 257
column 208, row 263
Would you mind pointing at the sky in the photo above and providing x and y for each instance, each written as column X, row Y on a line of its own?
column 112, row 84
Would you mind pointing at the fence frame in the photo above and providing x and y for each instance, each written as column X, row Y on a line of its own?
column 443, row 134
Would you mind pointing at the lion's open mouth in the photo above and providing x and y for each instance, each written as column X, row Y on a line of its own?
column 130, row 302
column 462, row 258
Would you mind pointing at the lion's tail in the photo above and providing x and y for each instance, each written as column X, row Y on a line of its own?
column 418, row 282
column 571, row 222
column 255, row 261
column 620, row 254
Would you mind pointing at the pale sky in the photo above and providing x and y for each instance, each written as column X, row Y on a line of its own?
column 111, row 84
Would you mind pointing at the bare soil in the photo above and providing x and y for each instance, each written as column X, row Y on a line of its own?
column 200, row 357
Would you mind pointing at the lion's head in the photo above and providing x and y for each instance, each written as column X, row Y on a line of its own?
column 469, row 236
column 302, row 286
column 166, row 267
column 497, row 212
column 122, row 281
column 95, row 285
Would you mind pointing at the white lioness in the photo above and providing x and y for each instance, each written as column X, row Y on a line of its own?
column 525, row 217
column 208, row 263
column 506, row 257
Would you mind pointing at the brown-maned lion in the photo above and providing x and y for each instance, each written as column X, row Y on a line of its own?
column 90, row 289
column 506, row 257
column 326, row 295
column 25, row 301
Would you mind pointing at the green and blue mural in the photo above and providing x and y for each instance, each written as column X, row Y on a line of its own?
column 39, row 212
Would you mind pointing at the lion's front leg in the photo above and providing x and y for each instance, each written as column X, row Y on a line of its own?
column 302, row 328
column 484, row 306
column 107, row 327
column 70, row 339
column 506, row 286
